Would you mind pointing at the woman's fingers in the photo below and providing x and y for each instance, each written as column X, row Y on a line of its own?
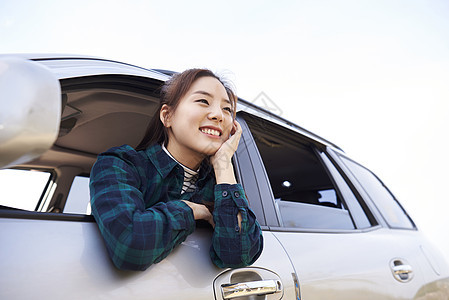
column 200, row 212
column 228, row 148
column 235, row 138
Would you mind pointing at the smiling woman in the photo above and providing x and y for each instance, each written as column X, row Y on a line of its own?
column 146, row 200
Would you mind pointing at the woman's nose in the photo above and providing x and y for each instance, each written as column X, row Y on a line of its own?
column 215, row 112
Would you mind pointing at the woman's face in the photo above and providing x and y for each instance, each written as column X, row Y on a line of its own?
column 201, row 123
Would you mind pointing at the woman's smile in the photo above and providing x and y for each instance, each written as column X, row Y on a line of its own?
column 210, row 131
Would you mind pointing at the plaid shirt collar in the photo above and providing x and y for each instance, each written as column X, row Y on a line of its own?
column 164, row 164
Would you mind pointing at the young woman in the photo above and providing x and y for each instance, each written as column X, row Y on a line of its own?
column 146, row 200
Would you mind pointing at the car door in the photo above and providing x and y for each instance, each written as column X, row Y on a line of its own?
column 339, row 243
column 63, row 257
column 52, row 249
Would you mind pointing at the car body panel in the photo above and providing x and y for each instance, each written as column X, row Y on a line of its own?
column 345, row 265
column 57, row 255
column 68, row 260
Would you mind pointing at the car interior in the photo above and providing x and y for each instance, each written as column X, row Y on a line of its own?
column 98, row 113
column 304, row 194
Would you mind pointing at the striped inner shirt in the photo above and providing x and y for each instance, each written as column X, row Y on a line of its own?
column 190, row 176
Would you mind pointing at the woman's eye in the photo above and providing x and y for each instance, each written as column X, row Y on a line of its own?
column 202, row 101
column 228, row 109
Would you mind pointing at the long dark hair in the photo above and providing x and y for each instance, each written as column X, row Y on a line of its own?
column 171, row 93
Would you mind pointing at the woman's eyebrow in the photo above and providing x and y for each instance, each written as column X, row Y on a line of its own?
column 203, row 93
column 227, row 101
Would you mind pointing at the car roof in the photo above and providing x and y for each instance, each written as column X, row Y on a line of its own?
column 80, row 133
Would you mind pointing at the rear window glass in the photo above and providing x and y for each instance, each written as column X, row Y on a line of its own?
column 390, row 208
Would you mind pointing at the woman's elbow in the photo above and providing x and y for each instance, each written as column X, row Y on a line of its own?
column 132, row 257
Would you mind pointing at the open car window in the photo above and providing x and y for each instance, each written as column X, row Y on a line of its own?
column 23, row 189
column 306, row 193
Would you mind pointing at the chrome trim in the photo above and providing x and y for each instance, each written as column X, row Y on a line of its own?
column 243, row 289
column 313, row 230
column 402, row 269
column 297, row 287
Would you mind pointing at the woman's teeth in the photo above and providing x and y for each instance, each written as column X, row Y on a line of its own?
column 210, row 131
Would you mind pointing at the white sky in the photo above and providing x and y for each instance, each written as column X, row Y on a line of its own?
column 370, row 76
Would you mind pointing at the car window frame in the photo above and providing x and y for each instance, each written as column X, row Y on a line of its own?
column 355, row 213
column 251, row 172
column 272, row 217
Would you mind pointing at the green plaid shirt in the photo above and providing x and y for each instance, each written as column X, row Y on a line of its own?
column 135, row 199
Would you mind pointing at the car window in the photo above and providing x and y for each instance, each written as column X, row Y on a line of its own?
column 78, row 200
column 305, row 195
column 23, row 189
column 390, row 208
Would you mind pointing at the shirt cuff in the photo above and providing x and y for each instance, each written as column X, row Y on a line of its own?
column 225, row 192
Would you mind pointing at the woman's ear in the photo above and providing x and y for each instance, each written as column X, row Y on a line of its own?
column 164, row 115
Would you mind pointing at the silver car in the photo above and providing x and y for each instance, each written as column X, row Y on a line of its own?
column 332, row 229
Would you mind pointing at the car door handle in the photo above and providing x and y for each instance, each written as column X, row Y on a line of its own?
column 261, row 287
column 402, row 271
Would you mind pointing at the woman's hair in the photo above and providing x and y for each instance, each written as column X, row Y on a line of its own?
column 171, row 93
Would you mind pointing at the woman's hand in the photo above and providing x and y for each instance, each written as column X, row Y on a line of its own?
column 221, row 160
column 200, row 212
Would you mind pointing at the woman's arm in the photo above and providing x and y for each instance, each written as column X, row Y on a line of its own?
column 135, row 237
column 237, row 240
column 235, row 243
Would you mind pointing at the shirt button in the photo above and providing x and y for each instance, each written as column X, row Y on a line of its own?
column 224, row 194
column 236, row 194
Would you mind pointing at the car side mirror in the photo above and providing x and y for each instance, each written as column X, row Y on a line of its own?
column 30, row 110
